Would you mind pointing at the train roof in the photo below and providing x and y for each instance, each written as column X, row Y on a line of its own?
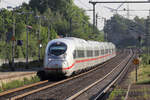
column 79, row 43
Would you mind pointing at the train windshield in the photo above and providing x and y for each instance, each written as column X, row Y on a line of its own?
column 57, row 48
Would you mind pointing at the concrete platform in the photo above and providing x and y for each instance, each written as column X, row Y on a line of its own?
column 6, row 77
column 19, row 73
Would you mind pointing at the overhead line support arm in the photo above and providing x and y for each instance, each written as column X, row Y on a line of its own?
column 95, row 2
column 119, row 2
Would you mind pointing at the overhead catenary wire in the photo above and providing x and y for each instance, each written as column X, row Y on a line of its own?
column 114, row 9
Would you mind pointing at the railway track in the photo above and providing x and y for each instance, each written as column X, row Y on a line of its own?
column 103, row 84
column 56, row 89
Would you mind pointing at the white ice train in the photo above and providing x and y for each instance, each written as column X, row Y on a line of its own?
column 70, row 55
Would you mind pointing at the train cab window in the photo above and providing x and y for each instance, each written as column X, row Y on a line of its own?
column 57, row 48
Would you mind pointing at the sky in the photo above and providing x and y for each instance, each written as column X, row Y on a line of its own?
column 101, row 9
column 13, row 3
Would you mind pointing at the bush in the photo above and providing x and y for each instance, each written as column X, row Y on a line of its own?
column 145, row 59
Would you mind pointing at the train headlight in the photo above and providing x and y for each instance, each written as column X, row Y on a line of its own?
column 49, row 59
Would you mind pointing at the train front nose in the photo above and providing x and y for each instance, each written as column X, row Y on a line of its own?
column 55, row 68
column 56, row 57
column 56, row 65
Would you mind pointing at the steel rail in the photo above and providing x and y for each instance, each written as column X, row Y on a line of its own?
column 57, row 83
column 22, row 88
column 127, row 94
column 90, row 86
column 113, row 82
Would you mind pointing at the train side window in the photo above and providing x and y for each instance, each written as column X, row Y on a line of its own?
column 109, row 50
column 96, row 53
column 102, row 52
column 106, row 51
column 75, row 54
column 80, row 53
column 89, row 53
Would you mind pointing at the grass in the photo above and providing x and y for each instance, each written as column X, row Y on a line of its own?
column 25, row 81
column 141, row 94
column 143, row 75
column 18, row 83
column 143, row 78
column 117, row 93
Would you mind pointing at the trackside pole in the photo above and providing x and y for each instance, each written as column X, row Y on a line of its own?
column 136, row 62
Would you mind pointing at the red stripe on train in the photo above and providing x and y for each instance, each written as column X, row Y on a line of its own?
column 78, row 61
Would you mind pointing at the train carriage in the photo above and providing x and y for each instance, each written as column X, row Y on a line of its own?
column 69, row 55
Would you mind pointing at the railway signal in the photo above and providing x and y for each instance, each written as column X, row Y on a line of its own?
column 139, row 38
column 19, row 42
column 39, row 18
column 27, row 31
column 136, row 62
column 13, row 38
